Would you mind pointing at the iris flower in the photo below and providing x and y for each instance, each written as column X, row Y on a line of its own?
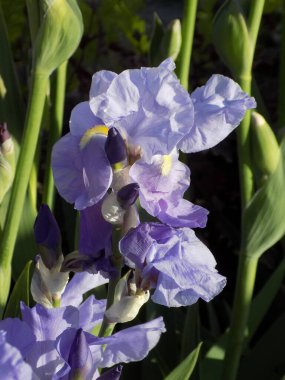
column 173, row 262
column 156, row 117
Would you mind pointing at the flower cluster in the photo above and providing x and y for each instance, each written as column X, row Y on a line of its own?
column 122, row 150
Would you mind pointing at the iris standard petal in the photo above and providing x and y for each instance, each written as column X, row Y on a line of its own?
column 219, row 107
column 149, row 107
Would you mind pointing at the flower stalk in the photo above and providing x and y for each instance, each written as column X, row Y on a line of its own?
column 247, row 265
column 22, row 175
column 56, row 122
column 188, row 26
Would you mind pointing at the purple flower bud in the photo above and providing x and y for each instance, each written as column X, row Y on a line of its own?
column 128, row 195
column 4, row 133
column 112, row 374
column 115, row 147
column 79, row 358
column 47, row 236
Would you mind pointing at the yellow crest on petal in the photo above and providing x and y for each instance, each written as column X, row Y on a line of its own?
column 97, row 130
column 166, row 164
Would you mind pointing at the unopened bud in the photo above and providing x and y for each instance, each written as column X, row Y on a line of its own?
column 47, row 236
column 7, row 160
column 128, row 301
column 79, row 359
column 265, row 148
column 58, row 35
column 127, row 195
column 231, row 38
column 165, row 43
column 115, row 149
column 48, row 284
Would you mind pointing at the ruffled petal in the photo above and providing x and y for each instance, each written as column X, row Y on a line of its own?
column 219, row 107
column 100, row 84
column 149, row 107
column 183, row 214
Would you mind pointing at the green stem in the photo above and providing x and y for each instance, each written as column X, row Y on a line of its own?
column 246, row 175
column 281, row 99
column 255, row 14
column 22, row 175
column 242, row 301
column 33, row 10
column 56, row 121
column 188, row 26
column 106, row 327
column 247, row 265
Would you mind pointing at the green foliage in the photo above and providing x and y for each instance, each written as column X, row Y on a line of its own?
column 164, row 42
column 122, row 16
column 21, row 292
column 185, row 369
column 264, row 222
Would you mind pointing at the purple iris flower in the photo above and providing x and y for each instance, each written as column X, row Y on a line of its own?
column 55, row 343
column 156, row 117
column 174, row 262
column 150, row 109
column 85, row 353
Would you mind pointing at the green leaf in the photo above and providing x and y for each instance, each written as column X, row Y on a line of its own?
column 21, row 292
column 10, row 100
column 268, row 354
column 157, row 35
column 185, row 369
column 264, row 222
column 165, row 42
column 212, row 363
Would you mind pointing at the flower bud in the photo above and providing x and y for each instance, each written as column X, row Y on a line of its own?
column 127, row 195
column 7, row 160
column 47, row 236
column 115, row 149
column 231, row 38
column 48, row 284
column 127, row 301
column 265, row 148
column 59, row 34
column 79, row 359
column 165, row 42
